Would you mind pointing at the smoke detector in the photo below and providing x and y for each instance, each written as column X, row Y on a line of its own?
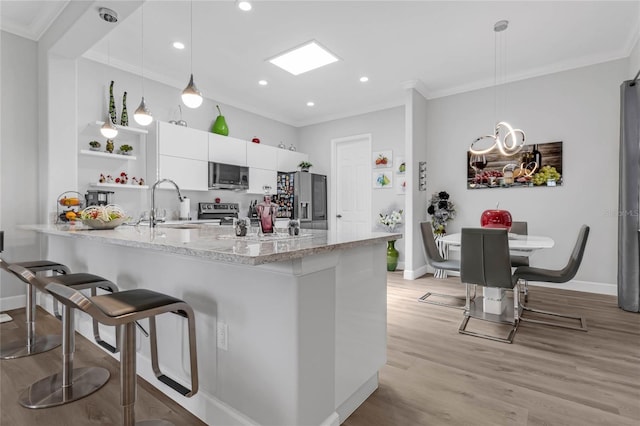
column 108, row 15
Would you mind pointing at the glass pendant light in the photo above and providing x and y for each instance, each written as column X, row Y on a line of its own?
column 507, row 140
column 108, row 129
column 142, row 114
column 191, row 96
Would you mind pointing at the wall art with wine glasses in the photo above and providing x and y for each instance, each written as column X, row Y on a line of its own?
column 536, row 165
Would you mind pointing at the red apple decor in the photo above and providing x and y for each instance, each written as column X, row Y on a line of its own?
column 255, row 140
column 496, row 219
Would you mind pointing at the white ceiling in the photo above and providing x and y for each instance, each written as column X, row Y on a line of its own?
column 443, row 47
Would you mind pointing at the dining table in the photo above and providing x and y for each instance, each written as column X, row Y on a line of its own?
column 494, row 300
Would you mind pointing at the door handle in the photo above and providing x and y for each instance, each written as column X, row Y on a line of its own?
column 338, row 216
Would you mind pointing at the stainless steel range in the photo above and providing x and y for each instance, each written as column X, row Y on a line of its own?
column 226, row 212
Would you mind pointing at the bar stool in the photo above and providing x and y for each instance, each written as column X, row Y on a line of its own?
column 122, row 309
column 71, row 384
column 34, row 344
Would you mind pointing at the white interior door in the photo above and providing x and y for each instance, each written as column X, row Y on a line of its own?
column 351, row 187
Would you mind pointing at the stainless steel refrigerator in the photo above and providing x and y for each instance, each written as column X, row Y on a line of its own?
column 303, row 195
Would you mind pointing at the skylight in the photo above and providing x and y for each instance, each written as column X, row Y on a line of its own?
column 305, row 58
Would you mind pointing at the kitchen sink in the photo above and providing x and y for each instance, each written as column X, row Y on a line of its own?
column 181, row 225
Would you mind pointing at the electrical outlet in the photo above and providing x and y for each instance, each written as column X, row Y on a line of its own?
column 222, row 336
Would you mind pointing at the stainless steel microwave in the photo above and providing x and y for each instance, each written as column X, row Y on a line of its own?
column 228, row 176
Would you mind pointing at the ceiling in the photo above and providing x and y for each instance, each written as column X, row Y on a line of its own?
column 441, row 48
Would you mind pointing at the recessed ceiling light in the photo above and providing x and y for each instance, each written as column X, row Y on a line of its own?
column 244, row 6
column 305, row 58
column 364, row 79
column 310, row 104
column 263, row 82
column 178, row 45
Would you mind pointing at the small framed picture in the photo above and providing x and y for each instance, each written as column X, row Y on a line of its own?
column 382, row 159
column 382, row 179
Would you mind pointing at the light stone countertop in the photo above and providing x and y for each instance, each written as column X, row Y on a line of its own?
column 219, row 243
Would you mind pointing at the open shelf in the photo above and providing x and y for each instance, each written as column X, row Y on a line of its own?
column 124, row 129
column 104, row 154
column 118, row 185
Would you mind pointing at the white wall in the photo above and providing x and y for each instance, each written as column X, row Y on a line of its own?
column 416, row 148
column 634, row 60
column 18, row 155
column 387, row 133
column 579, row 107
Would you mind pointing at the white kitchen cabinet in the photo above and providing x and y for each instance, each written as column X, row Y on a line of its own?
column 180, row 154
column 262, row 156
column 288, row 161
column 258, row 178
column 227, row 150
column 188, row 174
column 182, row 142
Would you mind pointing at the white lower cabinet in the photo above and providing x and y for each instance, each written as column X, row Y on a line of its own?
column 258, row 178
column 188, row 174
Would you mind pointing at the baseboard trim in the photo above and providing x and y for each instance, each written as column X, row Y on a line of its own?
column 586, row 286
column 332, row 420
column 415, row 273
column 12, row 302
column 357, row 398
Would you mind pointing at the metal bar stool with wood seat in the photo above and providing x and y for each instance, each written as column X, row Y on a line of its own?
column 71, row 384
column 36, row 344
column 122, row 309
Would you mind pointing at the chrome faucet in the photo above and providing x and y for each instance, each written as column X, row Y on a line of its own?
column 152, row 213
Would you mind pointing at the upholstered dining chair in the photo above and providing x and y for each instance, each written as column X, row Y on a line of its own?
column 436, row 261
column 485, row 261
column 528, row 273
column 521, row 228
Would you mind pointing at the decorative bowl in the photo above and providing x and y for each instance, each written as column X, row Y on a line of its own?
column 100, row 224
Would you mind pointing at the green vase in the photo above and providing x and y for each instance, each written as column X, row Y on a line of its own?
column 392, row 256
column 112, row 105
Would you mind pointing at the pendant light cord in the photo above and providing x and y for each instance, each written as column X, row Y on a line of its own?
column 191, row 33
column 495, row 77
column 142, row 46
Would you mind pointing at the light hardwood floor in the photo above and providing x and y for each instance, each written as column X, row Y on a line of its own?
column 433, row 376
column 548, row 376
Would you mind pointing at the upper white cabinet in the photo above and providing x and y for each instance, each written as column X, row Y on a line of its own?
column 182, row 142
column 180, row 154
column 262, row 156
column 228, row 150
column 288, row 160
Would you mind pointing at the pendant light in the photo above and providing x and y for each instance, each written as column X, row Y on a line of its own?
column 191, row 96
column 142, row 115
column 108, row 129
column 506, row 139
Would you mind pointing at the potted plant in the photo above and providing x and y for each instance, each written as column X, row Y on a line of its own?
column 126, row 149
column 305, row 166
column 94, row 145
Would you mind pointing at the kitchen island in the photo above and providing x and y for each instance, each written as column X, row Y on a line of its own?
column 290, row 330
